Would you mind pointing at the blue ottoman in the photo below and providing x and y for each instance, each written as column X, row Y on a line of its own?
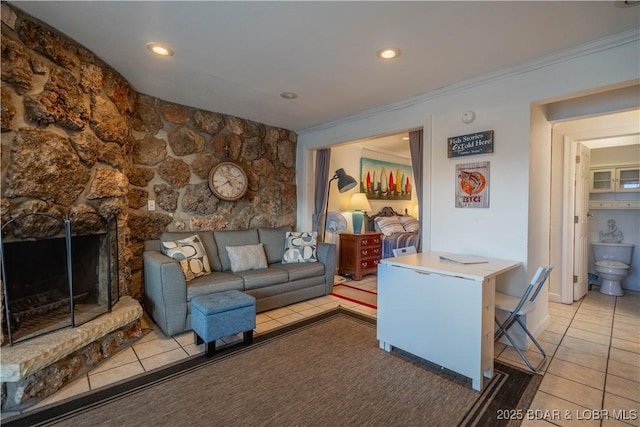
column 222, row 314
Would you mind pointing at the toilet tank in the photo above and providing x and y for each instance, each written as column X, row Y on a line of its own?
column 613, row 251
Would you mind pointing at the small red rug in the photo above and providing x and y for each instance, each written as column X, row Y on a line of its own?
column 351, row 293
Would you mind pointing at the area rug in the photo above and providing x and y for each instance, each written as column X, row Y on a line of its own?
column 326, row 370
column 351, row 293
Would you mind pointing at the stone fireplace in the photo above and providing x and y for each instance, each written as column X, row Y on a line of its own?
column 66, row 143
column 53, row 282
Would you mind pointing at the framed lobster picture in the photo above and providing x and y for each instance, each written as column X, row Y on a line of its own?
column 472, row 185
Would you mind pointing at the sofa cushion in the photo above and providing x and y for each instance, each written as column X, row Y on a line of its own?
column 273, row 240
column 247, row 257
column 233, row 238
column 264, row 277
column 207, row 240
column 300, row 247
column 215, row 282
column 191, row 255
column 301, row 270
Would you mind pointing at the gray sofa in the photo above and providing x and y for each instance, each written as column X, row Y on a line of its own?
column 168, row 295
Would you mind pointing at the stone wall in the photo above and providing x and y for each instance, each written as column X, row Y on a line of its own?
column 66, row 132
column 76, row 137
column 176, row 146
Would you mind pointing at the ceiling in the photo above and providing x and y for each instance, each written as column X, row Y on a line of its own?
column 237, row 57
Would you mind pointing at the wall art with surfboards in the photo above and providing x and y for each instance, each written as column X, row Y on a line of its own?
column 381, row 180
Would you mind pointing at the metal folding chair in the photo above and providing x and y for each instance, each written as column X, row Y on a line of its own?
column 518, row 307
column 404, row 251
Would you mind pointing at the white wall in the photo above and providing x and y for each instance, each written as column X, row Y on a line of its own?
column 503, row 105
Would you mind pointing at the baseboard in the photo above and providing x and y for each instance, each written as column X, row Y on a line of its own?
column 553, row 297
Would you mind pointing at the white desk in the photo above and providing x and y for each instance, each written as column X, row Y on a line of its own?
column 440, row 311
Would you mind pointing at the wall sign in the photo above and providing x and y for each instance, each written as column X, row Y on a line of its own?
column 473, row 143
column 472, row 185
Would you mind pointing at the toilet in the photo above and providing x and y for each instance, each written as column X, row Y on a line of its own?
column 613, row 261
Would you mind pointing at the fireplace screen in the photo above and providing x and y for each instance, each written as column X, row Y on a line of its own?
column 62, row 278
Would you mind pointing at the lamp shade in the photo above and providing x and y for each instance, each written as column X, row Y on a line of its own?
column 345, row 182
column 359, row 202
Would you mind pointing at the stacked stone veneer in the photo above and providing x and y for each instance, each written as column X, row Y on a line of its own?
column 76, row 137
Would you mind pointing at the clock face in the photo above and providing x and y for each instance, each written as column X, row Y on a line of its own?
column 228, row 181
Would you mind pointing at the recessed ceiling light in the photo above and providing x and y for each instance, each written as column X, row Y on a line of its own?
column 389, row 53
column 160, row 49
column 289, row 95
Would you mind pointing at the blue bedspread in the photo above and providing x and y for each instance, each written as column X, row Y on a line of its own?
column 398, row 240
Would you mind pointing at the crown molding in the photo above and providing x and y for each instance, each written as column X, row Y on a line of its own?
column 609, row 42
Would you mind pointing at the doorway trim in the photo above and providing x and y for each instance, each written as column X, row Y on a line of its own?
column 571, row 141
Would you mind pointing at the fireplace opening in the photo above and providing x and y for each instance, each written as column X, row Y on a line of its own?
column 58, row 282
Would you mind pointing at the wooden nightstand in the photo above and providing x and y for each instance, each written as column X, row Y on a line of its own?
column 359, row 254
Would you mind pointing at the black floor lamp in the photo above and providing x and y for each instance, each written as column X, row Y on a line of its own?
column 345, row 183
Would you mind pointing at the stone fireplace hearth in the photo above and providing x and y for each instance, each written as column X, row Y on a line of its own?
column 39, row 367
column 62, row 313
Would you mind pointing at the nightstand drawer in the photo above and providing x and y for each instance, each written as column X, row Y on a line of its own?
column 368, row 264
column 371, row 252
column 371, row 241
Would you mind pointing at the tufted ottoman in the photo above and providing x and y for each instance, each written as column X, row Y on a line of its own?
column 222, row 314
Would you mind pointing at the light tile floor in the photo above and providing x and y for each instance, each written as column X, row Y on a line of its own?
column 591, row 378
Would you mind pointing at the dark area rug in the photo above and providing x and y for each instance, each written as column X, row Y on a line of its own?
column 326, row 370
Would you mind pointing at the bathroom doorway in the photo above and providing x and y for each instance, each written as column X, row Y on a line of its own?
column 579, row 138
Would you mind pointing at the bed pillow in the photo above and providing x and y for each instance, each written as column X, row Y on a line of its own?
column 410, row 223
column 300, row 246
column 191, row 255
column 247, row 257
column 389, row 225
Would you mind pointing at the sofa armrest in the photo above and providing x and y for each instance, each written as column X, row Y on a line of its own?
column 326, row 253
column 165, row 292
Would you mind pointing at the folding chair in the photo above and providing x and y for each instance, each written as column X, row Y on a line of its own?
column 517, row 307
column 404, row 251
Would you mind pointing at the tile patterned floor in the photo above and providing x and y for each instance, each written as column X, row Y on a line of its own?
column 592, row 377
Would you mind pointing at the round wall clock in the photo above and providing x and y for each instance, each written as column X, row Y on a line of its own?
column 228, row 181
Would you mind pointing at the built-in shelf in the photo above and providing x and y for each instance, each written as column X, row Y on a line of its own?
column 615, row 187
column 615, row 179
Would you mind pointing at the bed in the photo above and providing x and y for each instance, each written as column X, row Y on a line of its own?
column 398, row 230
